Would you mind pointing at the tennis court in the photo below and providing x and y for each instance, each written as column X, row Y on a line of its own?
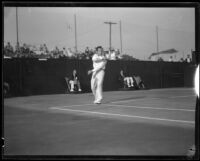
column 139, row 122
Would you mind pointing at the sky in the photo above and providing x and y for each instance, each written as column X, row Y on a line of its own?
column 55, row 26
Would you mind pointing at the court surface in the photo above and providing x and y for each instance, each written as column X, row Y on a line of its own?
column 140, row 122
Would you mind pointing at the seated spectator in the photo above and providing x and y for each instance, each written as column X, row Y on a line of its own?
column 126, row 80
column 160, row 59
column 188, row 59
column 181, row 60
column 46, row 51
column 56, row 52
column 87, row 52
column 91, row 53
column 24, row 50
column 17, row 48
column 74, row 80
column 107, row 54
column 70, row 53
column 8, row 47
column 9, row 50
column 139, row 84
column 117, row 54
column 64, row 51
column 60, row 54
column 171, row 59
column 111, row 54
column 82, row 56
column 41, row 48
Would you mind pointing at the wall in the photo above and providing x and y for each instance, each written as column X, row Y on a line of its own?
column 29, row 76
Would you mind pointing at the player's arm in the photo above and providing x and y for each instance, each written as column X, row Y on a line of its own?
column 100, row 67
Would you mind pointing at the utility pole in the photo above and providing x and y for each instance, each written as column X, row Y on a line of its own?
column 75, row 34
column 120, row 25
column 157, row 39
column 110, row 23
column 17, row 25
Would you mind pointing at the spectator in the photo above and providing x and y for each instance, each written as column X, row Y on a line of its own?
column 107, row 54
column 8, row 47
column 74, row 80
column 138, row 82
column 70, row 53
column 87, row 52
column 25, row 50
column 56, row 52
column 171, row 59
column 17, row 48
column 181, row 60
column 64, row 51
column 188, row 59
column 9, row 50
column 45, row 49
column 160, row 59
column 91, row 53
column 41, row 48
column 117, row 54
column 112, row 54
column 126, row 80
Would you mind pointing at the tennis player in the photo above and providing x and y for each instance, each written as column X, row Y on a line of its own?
column 98, row 72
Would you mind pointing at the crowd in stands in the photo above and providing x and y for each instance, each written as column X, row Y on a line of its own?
column 30, row 51
column 171, row 59
column 42, row 52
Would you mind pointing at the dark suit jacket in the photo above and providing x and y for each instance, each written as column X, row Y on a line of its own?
column 74, row 77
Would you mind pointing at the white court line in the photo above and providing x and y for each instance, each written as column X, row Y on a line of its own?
column 131, row 100
column 154, row 108
column 122, row 115
column 73, row 105
column 181, row 96
column 141, row 107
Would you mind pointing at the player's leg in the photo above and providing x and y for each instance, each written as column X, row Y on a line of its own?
column 93, row 86
column 100, row 79
column 72, row 85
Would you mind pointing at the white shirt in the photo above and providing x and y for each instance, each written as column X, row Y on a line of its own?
column 98, row 62
column 70, row 54
column 188, row 60
column 113, row 56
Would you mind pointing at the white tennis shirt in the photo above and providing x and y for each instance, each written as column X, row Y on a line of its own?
column 98, row 62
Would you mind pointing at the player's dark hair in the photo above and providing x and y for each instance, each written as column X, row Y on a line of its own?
column 99, row 47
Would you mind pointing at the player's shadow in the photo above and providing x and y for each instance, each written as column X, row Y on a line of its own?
column 125, row 99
